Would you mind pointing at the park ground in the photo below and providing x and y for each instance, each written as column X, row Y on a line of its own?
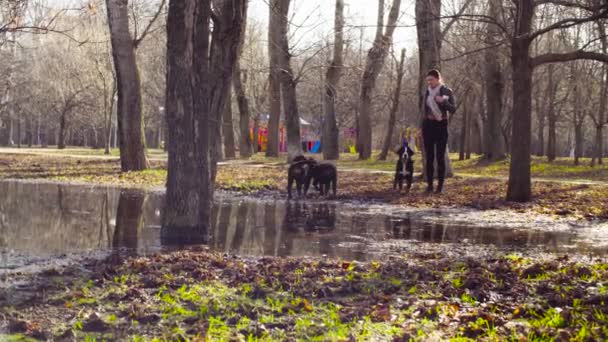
column 560, row 188
column 432, row 294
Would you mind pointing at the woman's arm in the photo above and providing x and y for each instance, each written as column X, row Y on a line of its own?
column 450, row 104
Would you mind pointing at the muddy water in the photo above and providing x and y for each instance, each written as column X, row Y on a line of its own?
column 39, row 221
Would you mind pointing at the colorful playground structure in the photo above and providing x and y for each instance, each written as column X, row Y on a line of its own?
column 311, row 136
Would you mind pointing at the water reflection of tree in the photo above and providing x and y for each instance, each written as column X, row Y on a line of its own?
column 129, row 219
column 272, row 233
column 241, row 226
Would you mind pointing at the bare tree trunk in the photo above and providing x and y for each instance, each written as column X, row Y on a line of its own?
column 464, row 128
column 578, row 141
column 551, row 115
column 520, row 184
column 256, row 133
column 62, row 130
column 288, row 81
column 185, row 216
column 244, row 114
column 430, row 37
column 494, row 84
column 331, row 134
column 601, row 115
column 200, row 69
column 18, row 132
column 374, row 64
column 540, row 111
column 394, row 109
column 228, row 129
column 130, row 117
column 109, row 112
column 274, row 81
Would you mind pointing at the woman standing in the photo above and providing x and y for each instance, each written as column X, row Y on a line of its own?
column 438, row 102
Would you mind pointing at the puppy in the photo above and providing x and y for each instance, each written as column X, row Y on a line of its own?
column 299, row 172
column 323, row 176
column 404, row 170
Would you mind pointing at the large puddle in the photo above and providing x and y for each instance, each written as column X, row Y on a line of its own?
column 40, row 221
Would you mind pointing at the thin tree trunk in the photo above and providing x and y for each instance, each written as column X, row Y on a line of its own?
column 520, row 185
column 256, row 133
column 601, row 115
column 18, row 132
column 540, row 112
column 464, row 131
column 551, row 115
column 331, row 134
column 374, row 64
column 228, row 129
column 394, row 109
column 274, row 79
column 288, row 81
column 494, row 84
column 62, row 130
column 578, row 142
column 245, row 145
column 130, row 117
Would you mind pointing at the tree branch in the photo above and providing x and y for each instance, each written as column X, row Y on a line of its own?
column 569, row 22
column 567, row 57
column 455, row 18
column 138, row 41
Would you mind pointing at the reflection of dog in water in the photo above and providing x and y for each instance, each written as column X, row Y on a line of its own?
column 301, row 215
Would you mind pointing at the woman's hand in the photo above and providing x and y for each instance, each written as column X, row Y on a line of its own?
column 440, row 99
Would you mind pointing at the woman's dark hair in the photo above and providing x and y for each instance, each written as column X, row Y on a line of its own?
column 434, row 73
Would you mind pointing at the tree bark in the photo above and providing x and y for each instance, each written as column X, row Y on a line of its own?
column 288, row 81
column 374, row 64
column 494, row 83
column 601, row 115
column 62, row 130
column 520, row 184
column 184, row 217
column 578, row 142
column 331, row 133
column 228, row 129
column 245, row 145
column 551, row 115
column 274, row 79
column 130, row 117
column 200, row 67
column 394, row 109
column 464, row 130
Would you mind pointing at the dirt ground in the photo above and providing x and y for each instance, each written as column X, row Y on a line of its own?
column 561, row 199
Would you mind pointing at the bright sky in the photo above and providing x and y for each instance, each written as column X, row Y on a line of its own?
column 315, row 19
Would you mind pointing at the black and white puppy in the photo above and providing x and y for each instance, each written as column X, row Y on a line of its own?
column 404, row 170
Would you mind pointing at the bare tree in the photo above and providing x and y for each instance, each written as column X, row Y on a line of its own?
column 331, row 133
column 520, row 184
column 390, row 128
column 374, row 64
column 274, row 78
column 245, row 144
column 200, row 68
column 494, row 83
